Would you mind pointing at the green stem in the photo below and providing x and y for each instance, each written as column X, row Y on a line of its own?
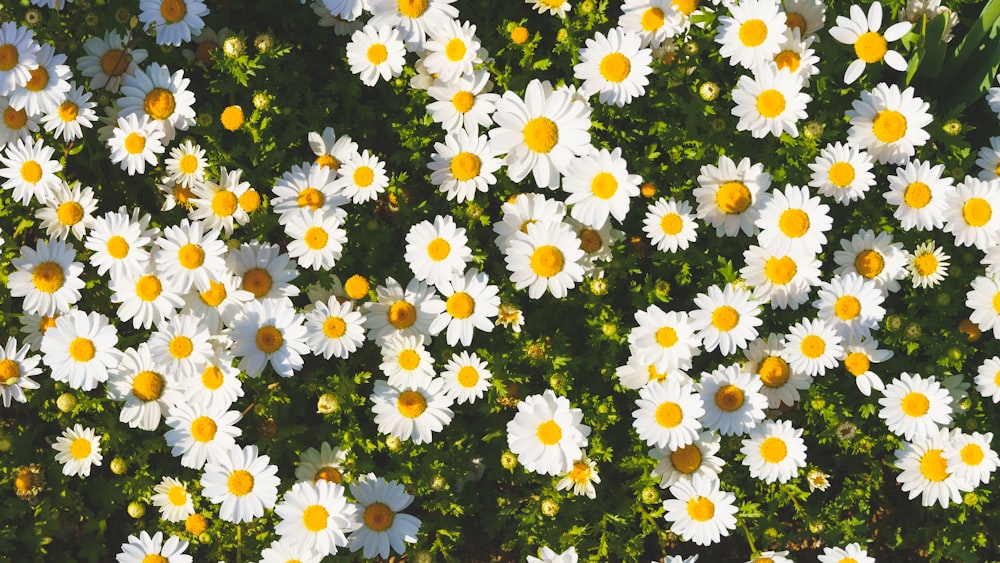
column 753, row 548
column 239, row 543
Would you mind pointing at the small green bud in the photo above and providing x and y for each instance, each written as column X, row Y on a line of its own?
column 261, row 101
column 598, row 286
column 327, row 403
column 649, row 495
column 5, row 444
column 233, row 46
column 718, row 124
column 913, row 331
column 609, row 329
column 118, row 466
column 550, row 507
column 439, row 483
column 893, row 323
column 708, row 91
column 508, row 460
column 812, row 130
column 264, row 42
column 136, row 509
column 66, row 402
column 393, row 443
column 690, row 48
column 952, row 127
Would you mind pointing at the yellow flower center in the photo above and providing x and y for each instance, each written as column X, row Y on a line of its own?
column 80, row 448
column 774, row 372
column 455, row 49
column 224, row 203
column 795, row 21
column 933, row 466
column 889, row 126
column 972, row 454
column 686, row 459
column 82, row 349
column 215, row 295
column 316, row 238
column 546, row 261
column 770, row 103
column 240, row 482
column 773, row 450
column 148, row 386
column 812, row 346
column 686, row 7
column 10, row 372
column 315, row 518
column 780, row 270
column 378, row 517
column 977, row 212
column 871, row 47
column 257, row 281
column 269, row 339
column 701, row 509
column 232, row 118
column 181, row 347
column 753, row 33
column 68, row 111
column 468, row 377
column 356, row 287
column 188, row 164
column 733, row 197
column 615, row 67
column 203, row 429
column 580, row 472
column 857, row 363
column 183, row 194
column 135, row 143
column 31, row 171
column 177, row 496
column 212, row 378
column 729, row 398
column 15, row 118
column 159, row 102
column 330, row 474
column 996, row 302
column 117, row 247
column 69, row 213
column 847, row 307
column 669, row 415
column 8, row 56
column 377, row 54
column 604, row 185
column 412, row 8
column 460, row 305
column 549, row 433
column 411, row 404
column 519, row 35
column 409, row 359
column 789, row 60
column 917, row 195
column 48, row 277
column 841, row 174
column 173, row 11
column 438, row 249
column 463, row 101
column 334, row 327
column 250, row 200
column 363, row 176
column 39, row 79
column 725, row 318
column 666, row 336
column 869, row 263
column 652, row 19
column 915, row 404
column 114, row 62
column 148, row 288
column 590, row 240
column 671, row 224
column 196, row 524
column 653, row 375
column 465, row 166
column 402, row 314
column 793, row 223
column 328, row 161
column 541, row 134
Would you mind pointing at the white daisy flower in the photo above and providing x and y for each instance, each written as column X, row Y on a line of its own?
column 852, row 304
column 924, row 470
column 770, row 101
column 412, row 412
column 971, row 458
column 700, row 511
column 540, row 133
column 48, row 85
column 380, row 525
column 470, row 301
column 80, row 349
column 774, row 451
column 141, row 548
column 399, row 311
column 875, row 257
column 796, row 54
column 989, row 160
column 972, row 213
column 842, row 172
column 752, row 33
column 108, row 61
column 792, row 218
column 726, row 318
column 269, row 332
column 597, row 244
column 160, row 96
column 199, row 433
column 929, row 264
column 729, row 195
column 219, row 305
column 546, row 434
column 463, row 165
column 47, row 277
column 317, row 241
column 546, row 257
column 242, row 482
column 859, row 355
column 555, row 7
column 306, row 190
column 406, row 361
column 173, row 499
column 30, row 171
column 733, row 402
column 988, row 379
column 217, row 386
column 438, row 251
column 889, row 123
column 324, row 464
column 599, row 185
column 264, row 270
column 993, row 98
column 78, row 449
column 636, row 374
column 174, row 21
column 466, row 377
column 15, row 124
column 614, row 66
column 136, row 141
column 20, row 56
column 145, row 299
column 453, row 50
column 16, row 370
column 189, row 256
column 464, row 103
column 670, row 225
column 782, row 279
column 362, row 178
column 376, row 52
column 35, row 327
column 655, row 21
column 849, row 551
column 919, row 193
column 915, row 407
column 331, row 151
column 668, row 414
column 981, row 298
column 523, row 210
column 666, row 339
column 334, row 329
column 218, row 204
column 812, row 346
column 147, row 393
column 181, row 346
column 781, row 384
column 696, row 458
column 413, row 19
column 870, row 45
column 70, row 209
column 581, row 478
column 315, row 516
column 187, row 164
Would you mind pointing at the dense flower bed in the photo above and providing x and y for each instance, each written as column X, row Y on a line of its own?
column 466, row 280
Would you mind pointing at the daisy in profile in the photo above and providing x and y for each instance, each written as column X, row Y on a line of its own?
column 852, row 304
column 655, row 21
column 870, row 45
column 16, row 370
column 47, row 86
column 78, row 449
column 406, row 361
column 198, row 433
column 812, row 346
column 47, row 277
column 70, row 209
column 35, row 327
column 108, row 62
column 269, row 332
column 889, row 123
column 668, row 414
column 988, row 379
column 324, row 464
column 546, row 434
column 700, row 511
column 315, row 516
column 546, row 257
column 464, row 103
column 842, row 172
column 770, row 101
column 80, row 349
column 670, row 225
column 437, row 251
column 924, row 470
column 20, row 56
column 181, row 346
column 733, row 402
column 783, row 280
column 523, row 210
column 614, row 66
column 696, row 458
column 376, row 52
column 989, row 160
column 781, row 384
column 972, row 213
column 599, row 185
column 147, row 393
column 174, row 21
column 851, row 551
column 173, row 499
column 581, row 479
column 774, row 451
column 453, row 50
column 398, row 310
column 540, row 133
column 243, row 482
column 362, row 177
column 859, row 355
column 463, row 165
column 666, row 338
column 984, row 292
column 135, row 142
column 796, row 55
column 217, row 386
column 331, row 151
column 264, row 270
column 466, row 377
column 334, row 329
column 306, row 190
column 971, row 458
column 726, row 318
column 752, row 33
column 380, row 525
column 928, row 265
column 470, row 301
column 793, row 218
column 145, row 298
column 142, row 548
column 413, row 19
column 636, row 374
column 317, row 240
column 729, row 195
column 284, row 551
column 30, row 171
column 555, row 7
column 920, row 194
column 412, row 412
column 915, row 407
column 875, row 257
